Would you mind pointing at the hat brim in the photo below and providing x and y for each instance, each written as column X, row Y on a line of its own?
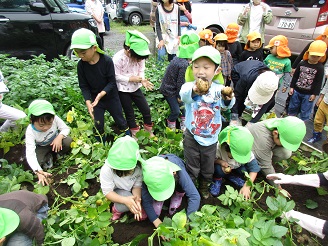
column 306, row 56
column 316, row 54
column 289, row 146
column 85, row 47
column 240, row 158
column 142, row 52
column 11, row 220
column 3, row 88
column 164, row 194
column 257, row 98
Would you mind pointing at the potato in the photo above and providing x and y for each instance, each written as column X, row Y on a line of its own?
column 226, row 92
column 227, row 169
column 202, row 85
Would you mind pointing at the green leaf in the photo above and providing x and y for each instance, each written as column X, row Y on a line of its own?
column 76, row 187
column 40, row 189
column 180, row 219
column 70, row 241
column 92, row 213
column 322, row 191
column 310, row 204
column 279, row 231
column 272, row 203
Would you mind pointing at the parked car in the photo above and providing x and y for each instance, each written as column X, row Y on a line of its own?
column 111, row 8
column 299, row 21
column 134, row 12
column 32, row 27
column 78, row 6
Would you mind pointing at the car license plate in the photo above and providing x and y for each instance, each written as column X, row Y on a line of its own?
column 287, row 23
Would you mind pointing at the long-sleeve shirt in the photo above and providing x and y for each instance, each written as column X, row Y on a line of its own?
column 35, row 138
column 124, row 69
column 203, row 115
column 26, row 204
column 251, row 55
column 307, row 78
column 185, row 183
column 96, row 78
column 325, row 93
column 174, row 77
column 235, row 51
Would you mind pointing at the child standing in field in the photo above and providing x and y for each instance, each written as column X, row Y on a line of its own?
column 234, row 45
column 45, row 136
column 253, row 49
column 307, row 80
column 206, row 38
column 234, row 157
column 321, row 115
column 174, row 78
column 130, row 66
column 221, row 44
column 185, row 16
column 121, row 178
column 96, row 74
column 8, row 113
column 203, row 100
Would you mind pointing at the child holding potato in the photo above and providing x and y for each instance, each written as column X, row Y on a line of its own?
column 234, row 157
column 203, row 102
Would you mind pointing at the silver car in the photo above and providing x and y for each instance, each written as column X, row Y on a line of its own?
column 134, row 12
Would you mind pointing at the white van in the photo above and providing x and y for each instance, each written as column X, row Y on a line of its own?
column 300, row 21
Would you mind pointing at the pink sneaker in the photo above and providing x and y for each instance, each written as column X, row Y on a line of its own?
column 116, row 214
column 158, row 207
column 176, row 200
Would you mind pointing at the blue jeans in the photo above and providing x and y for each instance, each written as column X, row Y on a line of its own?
column 175, row 108
column 21, row 239
column 161, row 55
column 299, row 104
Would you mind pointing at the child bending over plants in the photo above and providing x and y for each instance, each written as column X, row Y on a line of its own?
column 129, row 66
column 46, row 136
column 234, row 158
column 121, row 178
column 165, row 177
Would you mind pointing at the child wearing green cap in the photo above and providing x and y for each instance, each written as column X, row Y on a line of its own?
column 234, row 157
column 275, row 139
column 21, row 215
column 130, row 77
column 121, row 178
column 174, row 78
column 47, row 135
column 203, row 100
column 96, row 75
column 165, row 177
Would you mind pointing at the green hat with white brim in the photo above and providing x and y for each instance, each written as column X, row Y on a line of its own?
column 84, row 39
column 124, row 154
column 9, row 222
column 291, row 131
column 240, row 141
column 189, row 43
column 158, row 176
column 137, row 42
column 39, row 107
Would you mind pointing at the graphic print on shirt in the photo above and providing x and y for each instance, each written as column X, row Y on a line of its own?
column 306, row 78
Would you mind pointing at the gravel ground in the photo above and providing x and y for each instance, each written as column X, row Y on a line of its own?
column 114, row 41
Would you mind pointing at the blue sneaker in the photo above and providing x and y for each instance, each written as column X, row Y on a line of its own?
column 215, row 187
column 236, row 180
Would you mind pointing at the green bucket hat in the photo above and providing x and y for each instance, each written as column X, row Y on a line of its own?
column 189, row 43
column 209, row 52
column 158, row 176
column 83, row 39
column 9, row 221
column 124, row 154
column 39, row 107
column 137, row 42
column 240, row 141
column 291, row 131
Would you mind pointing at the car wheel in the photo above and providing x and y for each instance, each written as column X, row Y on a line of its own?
column 70, row 54
column 214, row 30
column 135, row 19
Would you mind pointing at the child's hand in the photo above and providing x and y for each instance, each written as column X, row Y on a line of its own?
column 43, row 177
column 318, row 102
column 135, row 79
column 132, row 204
column 245, row 191
column 90, row 109
column 201, row 86
column 284, row 89
column 312, row 98
column 182, row 7
column 160, row 44
column 57, row 143
column 149, row 86
column 291, row 91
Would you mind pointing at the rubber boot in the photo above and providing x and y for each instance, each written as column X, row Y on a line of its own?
column 134, row 132
column 171, row 124
column 182, row 123
column 149, row 128
column 204, row 188
column 116, row 214
column 175, row 203
column 215, row 187
column 315, row 138
column 235, row 121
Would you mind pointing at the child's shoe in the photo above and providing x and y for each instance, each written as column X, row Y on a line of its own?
column 157, row 205
column 236, row 180
column 175, row 203
column 215, row 187
column 134, row 132
column 192, row 27
column 149, row 128
column 182, row 123
column 171, row 124
column 49, row 163
column 116, row 214
column 315, row 138
column 203, row 189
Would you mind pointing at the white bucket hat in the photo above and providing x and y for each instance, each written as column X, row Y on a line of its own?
column 263, row 88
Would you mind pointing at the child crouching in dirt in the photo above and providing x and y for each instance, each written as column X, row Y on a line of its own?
column 121, row 178
column 46, row 136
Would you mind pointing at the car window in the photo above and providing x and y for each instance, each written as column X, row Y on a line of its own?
column 15, row 5
column 300, row 3
column 220, row 1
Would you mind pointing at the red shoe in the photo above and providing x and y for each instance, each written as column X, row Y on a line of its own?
column 116, row 214
column 158, row 207
column 175, row 203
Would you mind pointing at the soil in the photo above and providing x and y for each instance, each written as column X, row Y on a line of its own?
column 127, row 231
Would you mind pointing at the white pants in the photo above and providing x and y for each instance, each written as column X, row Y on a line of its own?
column 11, row 115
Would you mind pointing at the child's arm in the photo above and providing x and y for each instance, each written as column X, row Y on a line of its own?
column 147, row 204
column 246, row 190
column 128, row 201
column 64, row 131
